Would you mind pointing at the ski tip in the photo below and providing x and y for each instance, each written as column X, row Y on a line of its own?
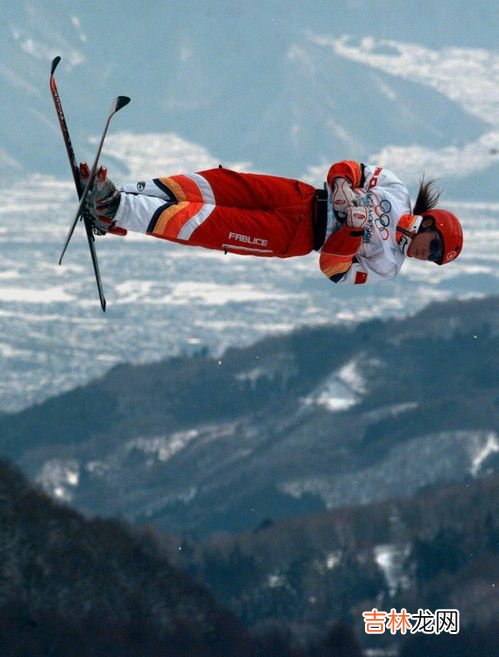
column 55, row 62
column 121, row 101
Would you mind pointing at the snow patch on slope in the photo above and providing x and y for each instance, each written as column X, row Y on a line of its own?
column 162, row 448
column 41, row 52
column 408, row 161
column 442, row 457
column 150, row 154
column 213, row 294
column 344, row 387
column 480, row 450
column 391, row 559
column 59, row 476
column 438, row 69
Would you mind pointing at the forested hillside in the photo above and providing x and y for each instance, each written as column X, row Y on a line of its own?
column 315, row 419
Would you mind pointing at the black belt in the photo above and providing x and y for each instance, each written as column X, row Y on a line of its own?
column 320, row 218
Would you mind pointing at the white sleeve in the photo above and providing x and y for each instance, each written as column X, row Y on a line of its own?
column 380, row 177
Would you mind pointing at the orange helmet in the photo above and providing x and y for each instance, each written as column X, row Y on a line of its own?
column 449, row 228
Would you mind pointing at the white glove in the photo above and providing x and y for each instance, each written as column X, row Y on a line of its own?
column 357, row 218
column 343, row 198
column 346, row 205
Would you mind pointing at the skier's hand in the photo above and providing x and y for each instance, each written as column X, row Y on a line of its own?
column 343, row 198
column 102, row 201
column 356, row 218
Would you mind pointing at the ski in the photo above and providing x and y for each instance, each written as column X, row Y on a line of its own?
column 116, row 105
column 81, row 214
column 64, row 128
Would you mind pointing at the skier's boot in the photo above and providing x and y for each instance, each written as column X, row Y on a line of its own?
column 103, row 201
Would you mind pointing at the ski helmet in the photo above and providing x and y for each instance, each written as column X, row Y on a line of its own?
column 449, row 228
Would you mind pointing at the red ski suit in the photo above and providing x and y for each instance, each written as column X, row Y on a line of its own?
column 245, row 213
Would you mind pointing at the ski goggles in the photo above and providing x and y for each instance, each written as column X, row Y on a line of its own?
column 436, row 249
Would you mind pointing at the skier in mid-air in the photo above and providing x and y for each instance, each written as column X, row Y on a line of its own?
column 362, row 223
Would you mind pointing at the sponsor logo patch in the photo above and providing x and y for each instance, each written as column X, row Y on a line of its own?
column 246, row 239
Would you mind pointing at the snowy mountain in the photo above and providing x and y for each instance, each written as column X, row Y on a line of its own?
column 316, row 419
column 273, row 85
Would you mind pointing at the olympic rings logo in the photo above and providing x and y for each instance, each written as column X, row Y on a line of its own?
column 382, row 218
